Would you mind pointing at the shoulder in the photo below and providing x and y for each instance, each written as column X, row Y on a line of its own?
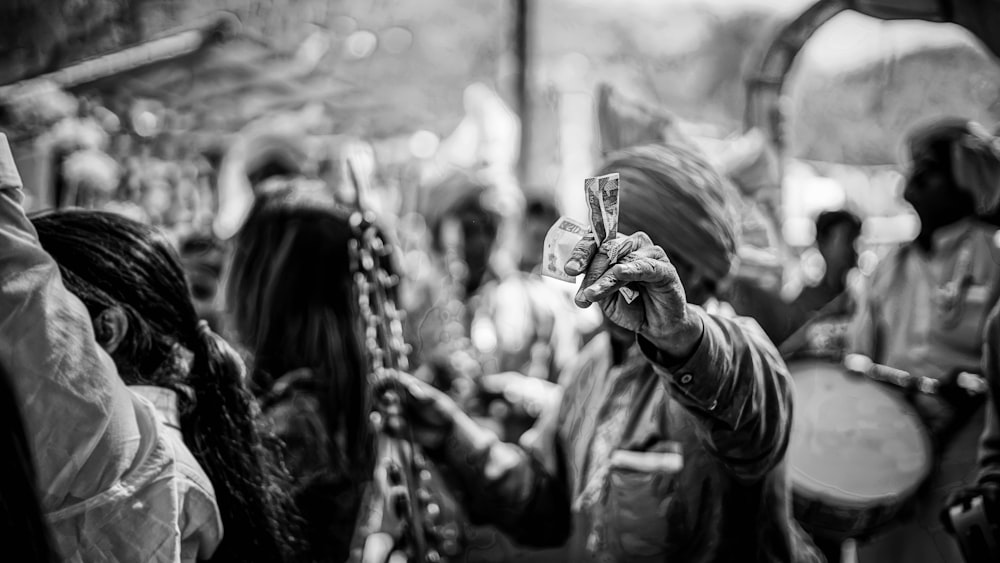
column 735, row 330
column 724, row 313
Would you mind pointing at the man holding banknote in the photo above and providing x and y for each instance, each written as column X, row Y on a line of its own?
column 670, row 441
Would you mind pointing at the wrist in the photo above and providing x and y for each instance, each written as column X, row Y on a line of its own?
column 683, row 338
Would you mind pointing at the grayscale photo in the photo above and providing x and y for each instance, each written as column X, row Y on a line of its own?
column 500, row 281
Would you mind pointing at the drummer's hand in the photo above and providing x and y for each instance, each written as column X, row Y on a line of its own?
column 660, row 313
column 989, row 490
column 379, row 549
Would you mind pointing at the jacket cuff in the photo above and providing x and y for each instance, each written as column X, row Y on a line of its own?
column 700, row 378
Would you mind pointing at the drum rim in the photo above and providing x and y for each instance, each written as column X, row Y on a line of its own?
column 861, row 500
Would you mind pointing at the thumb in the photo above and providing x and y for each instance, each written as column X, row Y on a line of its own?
column 378, row 547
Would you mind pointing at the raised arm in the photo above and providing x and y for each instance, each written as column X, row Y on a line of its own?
column 78, row 414
column 738, row 388
column 726, row 372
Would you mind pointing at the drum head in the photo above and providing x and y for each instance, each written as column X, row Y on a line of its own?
column 854, row 442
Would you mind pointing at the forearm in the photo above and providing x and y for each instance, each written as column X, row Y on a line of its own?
column 737, row 387
column 73, row 403
column 506, row 487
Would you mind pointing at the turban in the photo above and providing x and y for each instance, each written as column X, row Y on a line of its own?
column 682, row 203
column 975, row 158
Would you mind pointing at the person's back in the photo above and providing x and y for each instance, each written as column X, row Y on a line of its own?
column 163, row 508
column 294, row 306
column 96, row 444
column 138, row 413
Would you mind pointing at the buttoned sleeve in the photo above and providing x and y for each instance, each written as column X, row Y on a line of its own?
column 737, row 387
column 77, row 412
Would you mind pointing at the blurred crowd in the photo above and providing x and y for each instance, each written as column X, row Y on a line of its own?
column 247, row 296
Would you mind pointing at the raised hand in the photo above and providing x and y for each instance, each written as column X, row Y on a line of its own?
column 660, row 314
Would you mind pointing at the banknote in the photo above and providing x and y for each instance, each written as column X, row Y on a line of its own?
column 562, row 237
column 592, row 190
column 603, row 203
column 607, row 187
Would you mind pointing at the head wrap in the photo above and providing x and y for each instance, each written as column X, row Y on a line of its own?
column 751, row 163
column 682, row 203
column 975, row 157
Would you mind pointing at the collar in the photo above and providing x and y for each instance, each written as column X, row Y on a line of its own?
column 164, row 401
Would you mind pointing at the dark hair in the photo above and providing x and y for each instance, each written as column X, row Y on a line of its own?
column 107, row 261
column 293, row 303
column 827, row 220
column 21, row 520
column 295, row 306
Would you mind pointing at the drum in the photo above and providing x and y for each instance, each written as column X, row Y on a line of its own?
column 858, row 452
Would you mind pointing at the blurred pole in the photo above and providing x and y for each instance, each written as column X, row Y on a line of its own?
column 522, row 40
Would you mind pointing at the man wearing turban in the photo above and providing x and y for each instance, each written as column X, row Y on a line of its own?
column 669, row 442
column 924, row 312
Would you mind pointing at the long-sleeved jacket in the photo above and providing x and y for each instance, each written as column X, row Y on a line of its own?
column 727, row 409
column 117, row 483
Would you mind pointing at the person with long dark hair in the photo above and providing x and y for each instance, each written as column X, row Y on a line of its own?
column 137, row 412
column 293, row 305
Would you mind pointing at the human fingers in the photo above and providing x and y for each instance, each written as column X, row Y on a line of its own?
column 378, row 547
column 581, row 255
column 421, row 405
column 638, row 269
column 596, row 268
column 622, row 246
